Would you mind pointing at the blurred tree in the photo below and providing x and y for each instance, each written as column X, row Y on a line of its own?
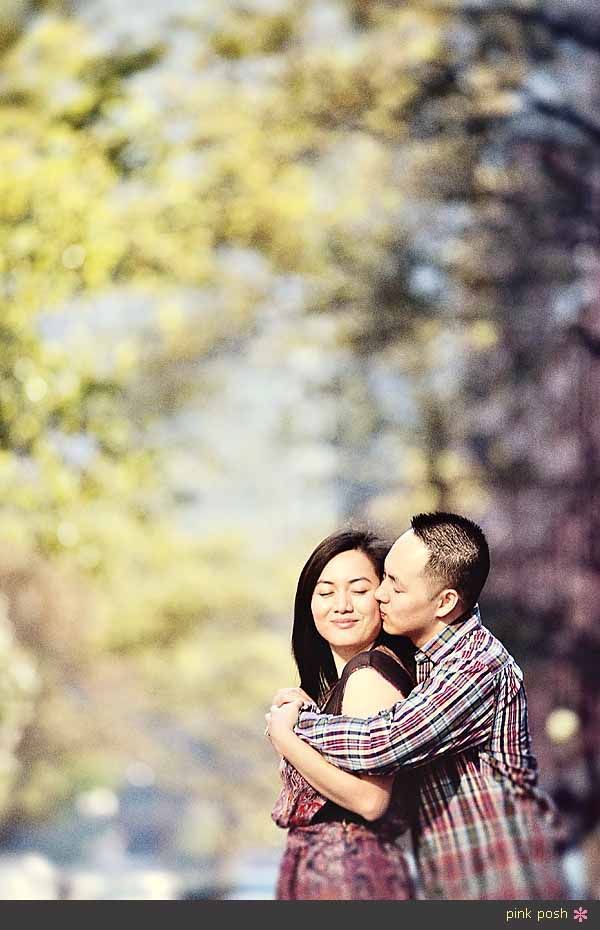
column 516, row 241
column 540, row 443
column 150, row 224
column 97, row 232
column 407, row 171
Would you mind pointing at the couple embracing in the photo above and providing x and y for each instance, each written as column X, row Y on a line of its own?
column 406, row 763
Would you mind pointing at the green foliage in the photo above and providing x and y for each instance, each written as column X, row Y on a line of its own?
column 101, row 205
column 243, row 33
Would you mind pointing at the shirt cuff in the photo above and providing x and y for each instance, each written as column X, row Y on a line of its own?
column 308, row 720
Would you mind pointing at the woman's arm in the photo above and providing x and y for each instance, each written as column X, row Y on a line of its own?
column 366, row 693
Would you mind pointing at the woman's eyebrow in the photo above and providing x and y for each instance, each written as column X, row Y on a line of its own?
column 351, row 581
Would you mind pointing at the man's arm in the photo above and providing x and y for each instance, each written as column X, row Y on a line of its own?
column 451, row 711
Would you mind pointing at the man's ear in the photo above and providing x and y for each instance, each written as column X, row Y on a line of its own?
column 447, row 601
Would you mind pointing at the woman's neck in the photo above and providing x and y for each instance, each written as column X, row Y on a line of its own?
column 343, row 654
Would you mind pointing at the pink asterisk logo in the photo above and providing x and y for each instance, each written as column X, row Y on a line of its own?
column 580, row 914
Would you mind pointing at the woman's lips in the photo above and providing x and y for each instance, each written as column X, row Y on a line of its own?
column 344, row 623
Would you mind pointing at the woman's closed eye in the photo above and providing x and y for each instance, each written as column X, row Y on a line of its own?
column 329, row 593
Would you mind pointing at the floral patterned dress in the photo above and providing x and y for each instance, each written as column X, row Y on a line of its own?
column 333, row 853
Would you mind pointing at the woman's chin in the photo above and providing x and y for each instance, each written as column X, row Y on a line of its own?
column 346, row 642
column 348, row 647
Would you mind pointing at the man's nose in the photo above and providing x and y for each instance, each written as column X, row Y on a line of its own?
column 380, row 593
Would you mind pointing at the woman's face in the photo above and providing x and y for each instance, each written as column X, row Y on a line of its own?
column 343, row 604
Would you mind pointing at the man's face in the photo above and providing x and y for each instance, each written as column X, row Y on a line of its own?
column 408, row 600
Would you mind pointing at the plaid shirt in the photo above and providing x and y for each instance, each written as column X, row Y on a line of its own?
column 482, row 828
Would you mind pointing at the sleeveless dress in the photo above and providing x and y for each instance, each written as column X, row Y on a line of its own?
column 333, row 853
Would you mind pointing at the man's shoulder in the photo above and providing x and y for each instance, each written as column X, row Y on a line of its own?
column 479, row 648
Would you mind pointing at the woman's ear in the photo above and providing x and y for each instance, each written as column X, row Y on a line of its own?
column 447, row 601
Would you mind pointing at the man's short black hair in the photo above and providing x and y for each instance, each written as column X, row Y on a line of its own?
column 460, row 557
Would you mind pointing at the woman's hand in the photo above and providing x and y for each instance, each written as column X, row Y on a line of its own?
column 285, row 695
column 281, row 722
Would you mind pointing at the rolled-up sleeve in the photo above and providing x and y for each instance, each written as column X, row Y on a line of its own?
column 451, row 711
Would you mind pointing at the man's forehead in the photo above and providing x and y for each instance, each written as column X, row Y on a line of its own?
column 408, row 550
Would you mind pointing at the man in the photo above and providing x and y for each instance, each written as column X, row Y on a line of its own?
column 482, row 827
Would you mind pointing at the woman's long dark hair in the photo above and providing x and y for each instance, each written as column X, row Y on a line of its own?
column 311, row 652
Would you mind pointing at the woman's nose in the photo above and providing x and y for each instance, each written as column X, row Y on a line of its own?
column 343, row 602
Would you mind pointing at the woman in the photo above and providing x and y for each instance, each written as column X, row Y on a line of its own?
column 348, row 834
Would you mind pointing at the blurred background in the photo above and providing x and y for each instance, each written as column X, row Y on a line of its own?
column 267, row 267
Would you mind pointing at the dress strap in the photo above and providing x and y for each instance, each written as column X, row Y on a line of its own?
column 384, row 662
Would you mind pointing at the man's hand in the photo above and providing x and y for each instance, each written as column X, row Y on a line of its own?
column 287, row 695
column 281, row 722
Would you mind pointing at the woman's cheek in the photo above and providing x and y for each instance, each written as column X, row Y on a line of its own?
column 316, row 608
column 369, row 605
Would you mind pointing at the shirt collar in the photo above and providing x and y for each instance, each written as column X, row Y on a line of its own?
column 444, row 641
